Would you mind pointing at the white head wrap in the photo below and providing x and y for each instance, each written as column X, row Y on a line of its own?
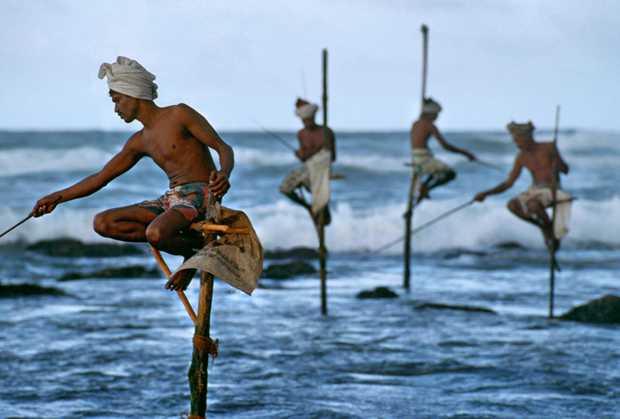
column 128, row 77
column 430, row 106
column 521, row 130
column 306, row 111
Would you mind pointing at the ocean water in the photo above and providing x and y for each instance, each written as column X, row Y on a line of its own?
column 120, row 348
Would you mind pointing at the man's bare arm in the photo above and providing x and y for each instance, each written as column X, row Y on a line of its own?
column 119, row 164
column 560, row 164
column 512, row 177
column 449, row 146
column 200, row 128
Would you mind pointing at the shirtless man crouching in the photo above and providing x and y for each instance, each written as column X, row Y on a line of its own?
column 311, row 141
column 176, row 138
column 437, row 172
column 544, row 163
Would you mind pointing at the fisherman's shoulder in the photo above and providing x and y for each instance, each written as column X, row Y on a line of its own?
column 136, row 141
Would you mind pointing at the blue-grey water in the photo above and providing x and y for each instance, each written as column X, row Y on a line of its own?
column 121, row 348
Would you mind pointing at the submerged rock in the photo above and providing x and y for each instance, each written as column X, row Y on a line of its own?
column 287, row 270
column 379, row 292
column 454, row 307
column 124, row 272
column 602, row 310
column 23, row 290
column 510, row 245
column 75, row 248
column 294, row 253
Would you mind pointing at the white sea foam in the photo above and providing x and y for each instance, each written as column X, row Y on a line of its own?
column 285, row 225
column 27, row 160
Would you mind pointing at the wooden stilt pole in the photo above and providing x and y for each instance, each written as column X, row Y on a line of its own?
column 203, row 345
column 554, row 240
column 414, row 175
column 321, row 222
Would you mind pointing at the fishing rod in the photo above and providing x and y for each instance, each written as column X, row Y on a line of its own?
column 29, row 217
column 274, row 135
column 427, row 224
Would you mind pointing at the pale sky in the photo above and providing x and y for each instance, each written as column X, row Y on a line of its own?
column 490, row 61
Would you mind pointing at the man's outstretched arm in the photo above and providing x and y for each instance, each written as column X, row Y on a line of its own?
column 200, row 128
column 512, row 177
column 449, row 146
column 119, row 164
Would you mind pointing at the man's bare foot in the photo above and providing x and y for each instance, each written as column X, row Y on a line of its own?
column 180, row 280
column 550, row 241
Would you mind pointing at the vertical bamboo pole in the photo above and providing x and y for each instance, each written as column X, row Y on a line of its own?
column 412, row 191
column 198, row 372
column 321, row 226
column 556, row 177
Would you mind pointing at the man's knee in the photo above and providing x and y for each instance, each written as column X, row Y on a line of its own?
column 514, row 206
column 155, row 236
column 533, row 206
column 103, row 224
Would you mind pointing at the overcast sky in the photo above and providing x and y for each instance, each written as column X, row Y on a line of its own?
column 490, row 61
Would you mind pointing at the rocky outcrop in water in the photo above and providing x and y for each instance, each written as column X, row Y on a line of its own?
column 75, row 248
column 287, row 270
column 602, row 310
column 24, row 290
column 116, row 273
column 379, row 292
column 294, row 253
column 454, row 307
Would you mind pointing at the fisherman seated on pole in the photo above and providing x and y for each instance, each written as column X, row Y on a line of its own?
column 177, row 139
column 311, row 142
column 544, row 162
column 435, row 171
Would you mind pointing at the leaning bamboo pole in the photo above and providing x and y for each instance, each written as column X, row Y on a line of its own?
column 554, row 240
column 321, row 222
column 414, row 174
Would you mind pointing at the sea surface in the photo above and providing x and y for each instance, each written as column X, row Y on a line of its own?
column 121, row 348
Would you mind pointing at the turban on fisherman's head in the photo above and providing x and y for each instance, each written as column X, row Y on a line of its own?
column 305, row 109
column 521, row 130
column 430, row 106
column 128, row 77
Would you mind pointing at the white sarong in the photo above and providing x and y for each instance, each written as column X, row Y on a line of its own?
column 543, row 193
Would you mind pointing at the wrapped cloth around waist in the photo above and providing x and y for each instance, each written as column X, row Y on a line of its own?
column 425, row 163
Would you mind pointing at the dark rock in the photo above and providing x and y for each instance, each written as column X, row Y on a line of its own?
column 603, row 310
column 287, row 270
column 510, row 245
column 454, row 307
column 23, row 290
column 294, row 253
column 124, row 272
column 75, row 248
column 379, row 292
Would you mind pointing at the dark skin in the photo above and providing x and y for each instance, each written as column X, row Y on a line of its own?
column 176, row 138
column 544, row 163
column 311, row 141
column 421, row 132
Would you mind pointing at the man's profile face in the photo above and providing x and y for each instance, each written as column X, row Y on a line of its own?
column 308, row 122
column 125, row 106
column 524, row 143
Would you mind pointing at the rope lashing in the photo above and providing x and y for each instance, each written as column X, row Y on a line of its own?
column 207, row 344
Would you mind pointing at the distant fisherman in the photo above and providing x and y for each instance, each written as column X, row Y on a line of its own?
column 311, row 151
column 176, row 138
column 540, row 159
column 437, row 172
